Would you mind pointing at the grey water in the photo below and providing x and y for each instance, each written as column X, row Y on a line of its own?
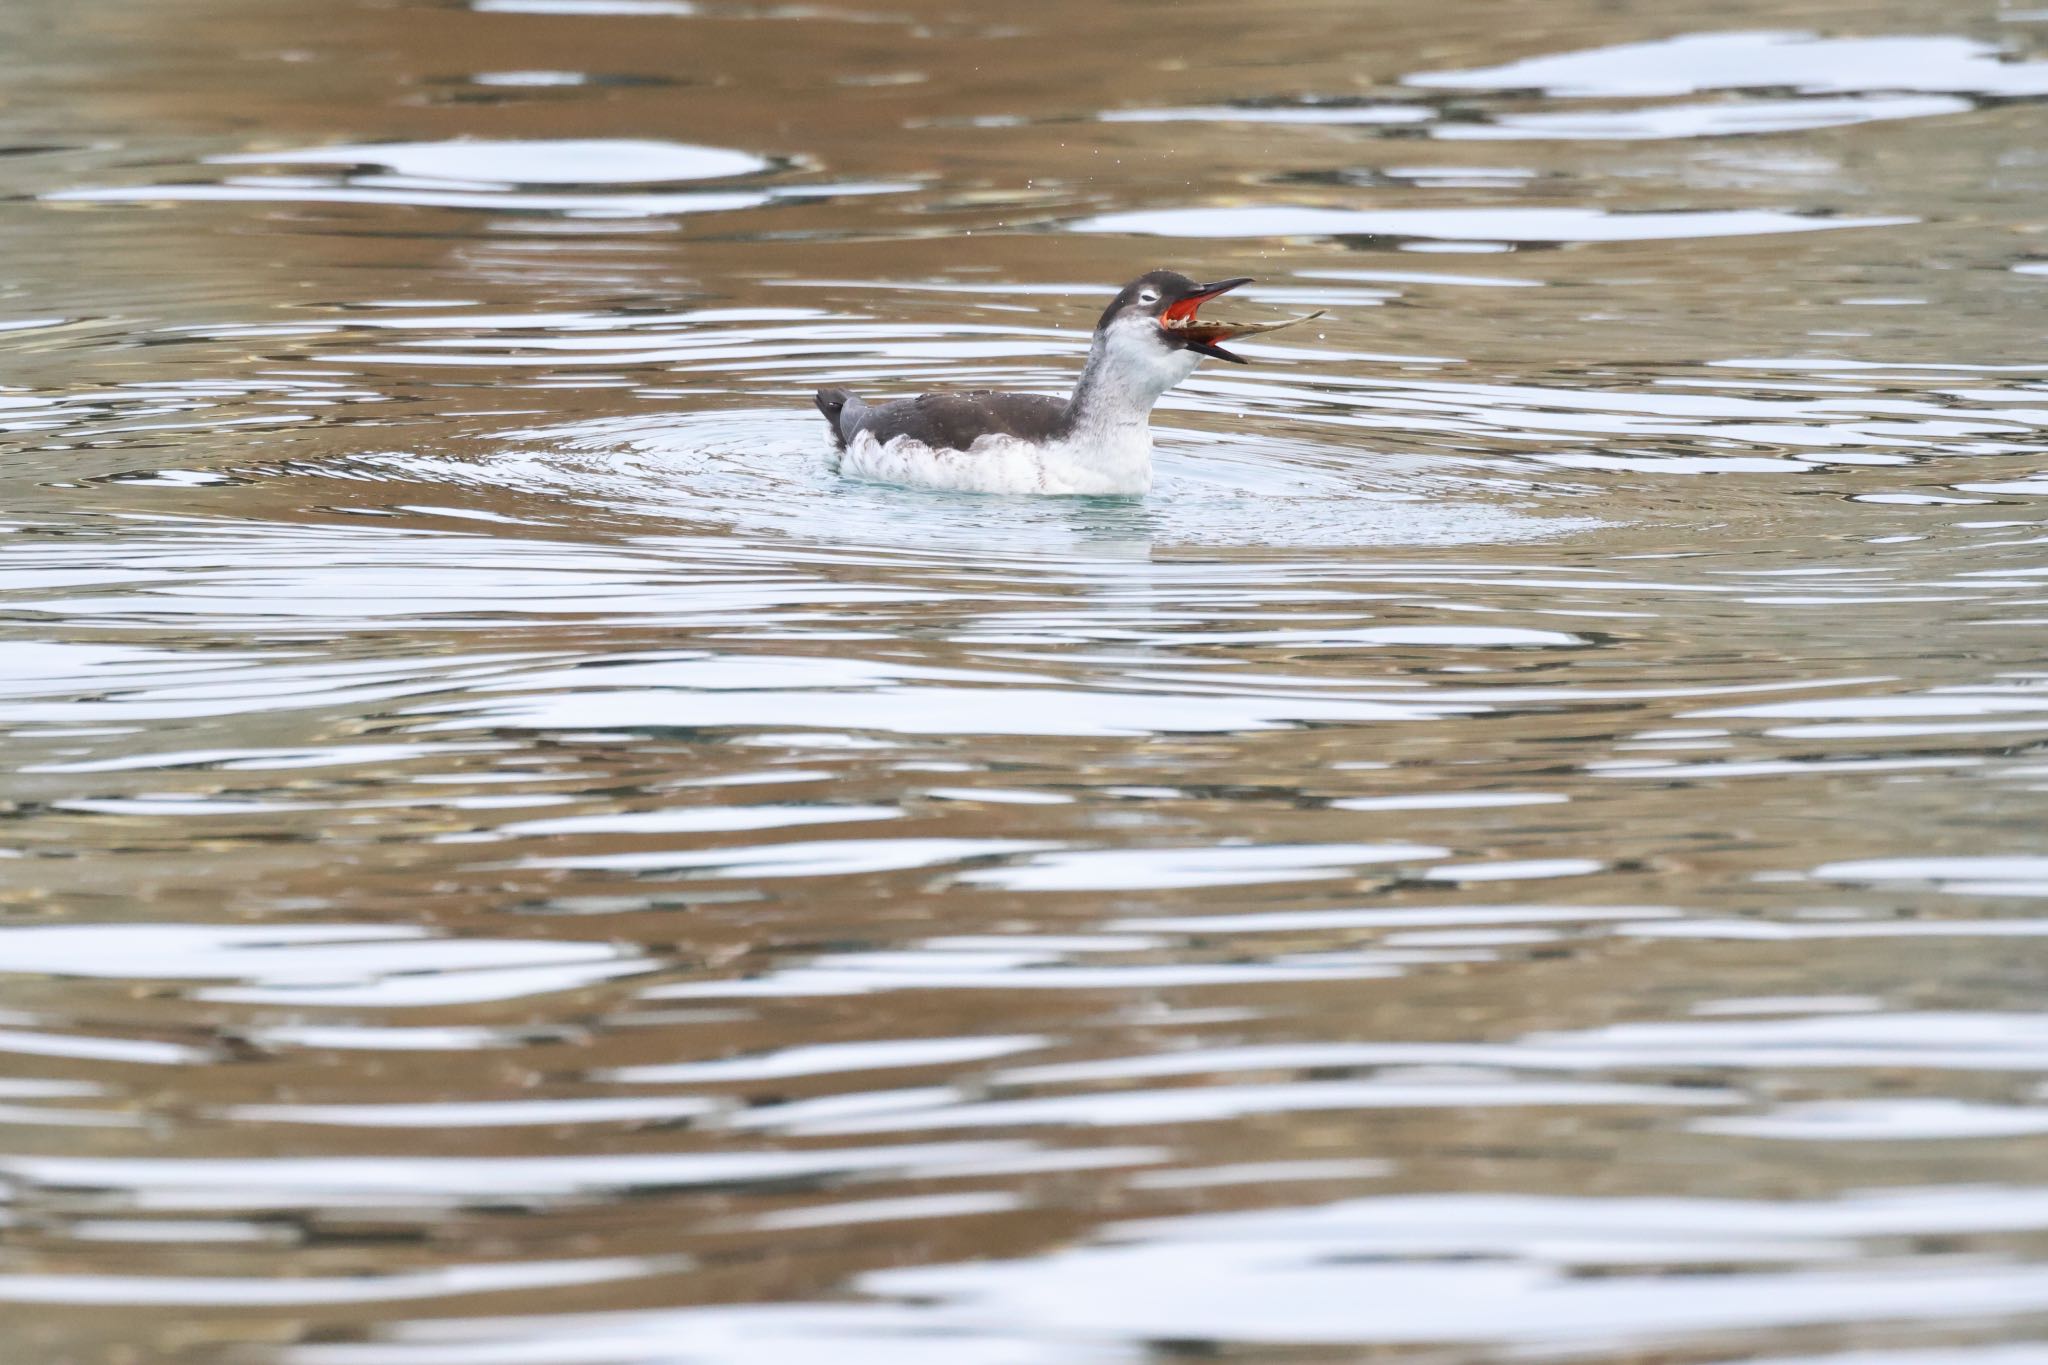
column 1529, row 842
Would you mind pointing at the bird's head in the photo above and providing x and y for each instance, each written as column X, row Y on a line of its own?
column 1161, row 307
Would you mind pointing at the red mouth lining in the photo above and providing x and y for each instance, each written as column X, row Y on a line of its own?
column 1184, row 311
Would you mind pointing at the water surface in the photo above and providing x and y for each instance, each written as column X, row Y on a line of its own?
column 1528, row 841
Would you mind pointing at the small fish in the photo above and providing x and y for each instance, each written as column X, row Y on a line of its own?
column 1206, row 334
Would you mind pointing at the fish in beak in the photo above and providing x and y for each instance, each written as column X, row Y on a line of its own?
column 1205, row 335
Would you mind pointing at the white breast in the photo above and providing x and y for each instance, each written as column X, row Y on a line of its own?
column 1119, row 466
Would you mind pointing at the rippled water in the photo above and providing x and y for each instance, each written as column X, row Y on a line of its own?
column 1529, row 842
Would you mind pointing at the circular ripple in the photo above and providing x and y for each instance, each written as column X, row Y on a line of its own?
column 769, row 470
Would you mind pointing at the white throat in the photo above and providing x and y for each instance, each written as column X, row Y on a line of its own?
column 1127, row 370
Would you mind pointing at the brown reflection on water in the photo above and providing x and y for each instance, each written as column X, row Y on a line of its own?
column 506, row 859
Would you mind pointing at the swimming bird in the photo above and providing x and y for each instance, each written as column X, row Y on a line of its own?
column 1098, row 441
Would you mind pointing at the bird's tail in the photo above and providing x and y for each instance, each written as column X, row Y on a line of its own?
column 832, row 402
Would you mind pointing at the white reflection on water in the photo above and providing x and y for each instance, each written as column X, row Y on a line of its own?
column 482, row 1113
column 1844, row 81
column 1261, row 1173
column 277, row 954
column 1766, row 931
column 1332, row 112
column 1721, row 118
column 1467, row 225
column 788, row 1334
column 1748, row 118
column 1762, row 60
column 316, row 1182
column 829, row 1058
column 391, row 1038
column 1168, row 868
column 823, row 858
column 569, row 161
column 1294, row 921
column 314, row 964
column 440, row 1282
column 583, row 177
column 942, row 1108
column 585, row 8
column 1896, row 1120
column 929, row 710
column 1928, row 1041
column 1980, row 875
column 854, row 1334
column 849, row 974
column 295, row 190
column 1410, row 1269
column 699, row 820
column 98, row 1048
column 412, row 990
column 258, row 760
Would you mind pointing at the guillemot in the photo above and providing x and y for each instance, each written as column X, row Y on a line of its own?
column 1099, row 441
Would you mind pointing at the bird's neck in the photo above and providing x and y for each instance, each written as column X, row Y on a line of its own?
column 1124, row 377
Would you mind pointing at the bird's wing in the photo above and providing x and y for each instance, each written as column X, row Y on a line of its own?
column 955, row 421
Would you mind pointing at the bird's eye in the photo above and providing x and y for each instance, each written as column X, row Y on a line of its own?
column 1148, row 296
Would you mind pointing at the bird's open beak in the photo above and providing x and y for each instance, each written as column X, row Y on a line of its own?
column 1203, row 293
column 1204, row 335
column 1183, row 312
